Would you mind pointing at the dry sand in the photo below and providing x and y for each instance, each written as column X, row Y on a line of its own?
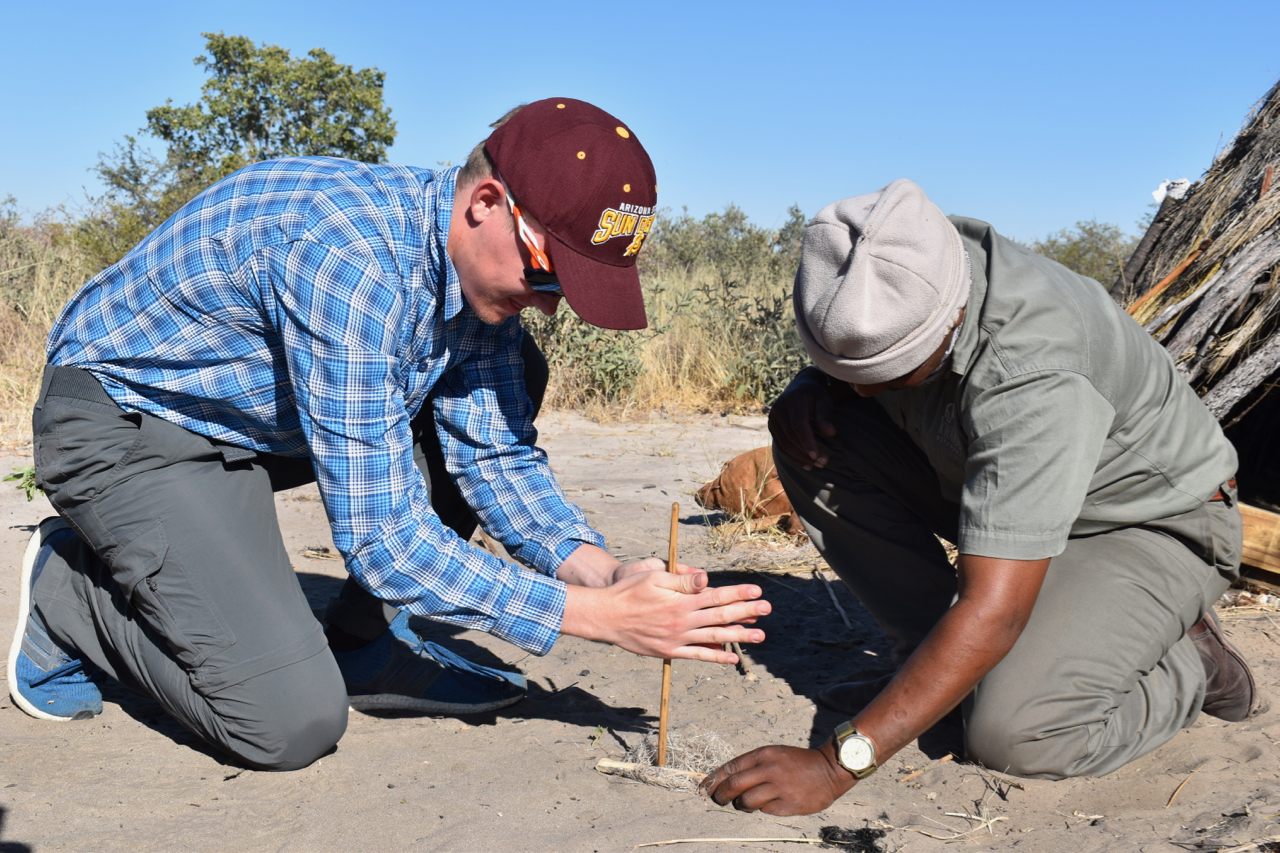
column 523, row 779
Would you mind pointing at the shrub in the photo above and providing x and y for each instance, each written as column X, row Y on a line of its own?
column 722, row 332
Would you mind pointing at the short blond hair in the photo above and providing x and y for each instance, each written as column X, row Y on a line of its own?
column 479, row 165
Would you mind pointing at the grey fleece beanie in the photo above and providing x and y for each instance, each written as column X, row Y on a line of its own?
column 882, row 277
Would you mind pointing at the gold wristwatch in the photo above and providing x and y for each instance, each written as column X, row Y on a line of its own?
column 855, row 751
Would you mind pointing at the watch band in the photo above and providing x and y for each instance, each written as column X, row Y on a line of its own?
column 846, row 731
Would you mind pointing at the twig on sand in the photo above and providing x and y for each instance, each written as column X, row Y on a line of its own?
column 731, row 841
column 1253, row 845
column 739, row 840
column 944, row 759
column 1178, row 789
column 985, row 821
column 608, row 765
column 831, row 592
column 743, row 668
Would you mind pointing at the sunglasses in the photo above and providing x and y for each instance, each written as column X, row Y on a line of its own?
column 541, row 276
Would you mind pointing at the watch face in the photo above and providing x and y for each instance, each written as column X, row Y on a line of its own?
column 856, row 754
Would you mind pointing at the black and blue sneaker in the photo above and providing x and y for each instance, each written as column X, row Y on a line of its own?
column 44, row 679
column 400, row 671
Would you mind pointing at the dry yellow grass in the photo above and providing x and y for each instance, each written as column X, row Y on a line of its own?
column 698, row 355
column 39, row 272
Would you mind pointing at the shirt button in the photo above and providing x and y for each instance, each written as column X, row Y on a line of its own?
column 424, row 366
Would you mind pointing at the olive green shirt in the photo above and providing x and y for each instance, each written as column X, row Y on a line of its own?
column 1059, row 416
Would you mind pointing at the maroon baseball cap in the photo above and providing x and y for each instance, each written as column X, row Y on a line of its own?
column 588, row 181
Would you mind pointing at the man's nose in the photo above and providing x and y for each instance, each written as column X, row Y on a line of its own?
column 546, row 303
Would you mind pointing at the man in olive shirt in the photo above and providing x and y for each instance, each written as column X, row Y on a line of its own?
column 969, row 388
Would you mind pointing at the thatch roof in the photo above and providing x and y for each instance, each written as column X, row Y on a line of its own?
column 1205, row 281
column 1217, row 315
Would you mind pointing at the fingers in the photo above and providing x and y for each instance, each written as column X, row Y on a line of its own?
column 718, row 785
column 804, row 405
column 719, row 596
column 741, row 781
column 706, row 654
column 722, row 606
column 779, row 780
column 690, row 584
column 740, row 613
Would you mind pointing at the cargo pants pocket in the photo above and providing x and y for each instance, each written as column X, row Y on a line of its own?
column 171, row 601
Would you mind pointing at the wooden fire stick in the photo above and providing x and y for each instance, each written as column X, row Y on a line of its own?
column 666, row 662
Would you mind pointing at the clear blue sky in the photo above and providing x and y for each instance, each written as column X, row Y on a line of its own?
column 1029, row 115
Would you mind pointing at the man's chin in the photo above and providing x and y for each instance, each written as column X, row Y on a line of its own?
column 496, row 315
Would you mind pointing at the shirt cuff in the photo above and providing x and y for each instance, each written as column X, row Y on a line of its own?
column 533, row 612
column 1011, row 546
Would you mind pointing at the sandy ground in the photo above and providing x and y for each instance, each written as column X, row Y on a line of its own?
column 523, row 779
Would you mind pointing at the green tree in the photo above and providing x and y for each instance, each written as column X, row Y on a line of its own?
column 258, row 103
column 1092, row 248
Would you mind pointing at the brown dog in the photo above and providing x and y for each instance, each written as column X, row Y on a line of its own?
column 748, row 487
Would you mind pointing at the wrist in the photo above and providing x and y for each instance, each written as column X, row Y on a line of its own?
column 841, row 778
column 855, row 750
column 581, row 608
column 589, row 566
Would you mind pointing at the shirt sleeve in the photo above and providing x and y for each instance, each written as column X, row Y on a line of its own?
column 338, row 317
column 485, row 423
column 1035, row 441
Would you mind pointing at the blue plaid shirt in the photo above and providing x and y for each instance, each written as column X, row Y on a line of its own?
column 306, row 307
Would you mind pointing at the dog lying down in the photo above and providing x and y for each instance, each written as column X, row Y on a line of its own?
column 748, row 487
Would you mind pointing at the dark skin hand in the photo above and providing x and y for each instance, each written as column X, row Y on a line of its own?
column 995, row 602
column 801, row 411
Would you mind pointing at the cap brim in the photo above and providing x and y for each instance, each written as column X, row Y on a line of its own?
column 602, row 294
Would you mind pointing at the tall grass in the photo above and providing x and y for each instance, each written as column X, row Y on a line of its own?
column 41, row 267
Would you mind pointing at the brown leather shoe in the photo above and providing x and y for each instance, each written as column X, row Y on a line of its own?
column 1230, row 692
column 852, row 696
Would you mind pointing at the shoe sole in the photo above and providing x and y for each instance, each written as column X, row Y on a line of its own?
column 43, row 532
column 396, row 702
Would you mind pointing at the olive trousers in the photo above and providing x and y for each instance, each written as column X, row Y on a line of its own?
column 1103, row 672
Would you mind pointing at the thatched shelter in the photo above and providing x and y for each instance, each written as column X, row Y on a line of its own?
column 1205, row 281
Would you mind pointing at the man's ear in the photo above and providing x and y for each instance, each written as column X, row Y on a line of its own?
column 487, row 198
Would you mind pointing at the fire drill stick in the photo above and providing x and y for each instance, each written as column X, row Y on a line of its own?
column 666, row 662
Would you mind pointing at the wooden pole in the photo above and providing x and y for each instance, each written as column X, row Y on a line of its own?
column 666, row 662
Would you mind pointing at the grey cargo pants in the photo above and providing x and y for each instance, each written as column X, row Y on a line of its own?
column 180, row 587
column 1103, row 672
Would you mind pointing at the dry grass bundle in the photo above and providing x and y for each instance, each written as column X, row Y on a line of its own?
column 690, row 757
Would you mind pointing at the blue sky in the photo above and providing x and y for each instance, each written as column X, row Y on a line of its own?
column 1029, row 115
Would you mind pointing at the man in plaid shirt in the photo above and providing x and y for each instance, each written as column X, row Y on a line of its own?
column 356, row 325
